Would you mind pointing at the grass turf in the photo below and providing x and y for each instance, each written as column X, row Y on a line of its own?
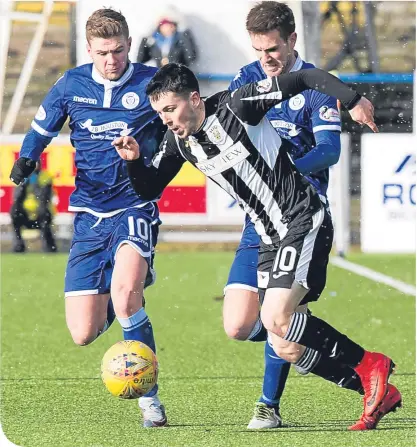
column 52, row 394
column 402, row 267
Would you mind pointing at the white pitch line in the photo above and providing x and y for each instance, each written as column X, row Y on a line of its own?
column 199, row 236
column 373, row 275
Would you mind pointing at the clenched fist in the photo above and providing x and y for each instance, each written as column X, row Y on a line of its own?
column 22, row 169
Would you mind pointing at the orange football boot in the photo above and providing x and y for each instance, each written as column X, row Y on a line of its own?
column 390, row 403
column 374, row 371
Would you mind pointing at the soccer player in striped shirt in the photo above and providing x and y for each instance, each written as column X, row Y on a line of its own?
column 310, row 125
column 229, row 139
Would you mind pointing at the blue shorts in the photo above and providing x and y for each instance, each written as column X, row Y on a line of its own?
column 96, row 242
column 243, row 273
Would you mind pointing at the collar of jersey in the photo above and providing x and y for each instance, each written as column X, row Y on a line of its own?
column 297, row 64
column 111, row 84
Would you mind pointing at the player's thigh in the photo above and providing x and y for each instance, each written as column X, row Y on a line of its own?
column 86, row 316
column 301, row 256
column 87, row 271
column 241, row 303
column 287, row 271
column 133, row 251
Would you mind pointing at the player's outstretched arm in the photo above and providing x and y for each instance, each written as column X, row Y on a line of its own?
column 149, row 181
column 252, row 101
column 361, row 109
column 46, row 124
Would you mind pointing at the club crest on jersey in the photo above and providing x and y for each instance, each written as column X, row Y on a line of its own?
column 328, row 114
column 130, row 100
column 297, row 102
column 40, row 114
column 217, row 134
column 264, row 86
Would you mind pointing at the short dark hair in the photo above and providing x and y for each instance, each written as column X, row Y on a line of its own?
column 268, row 16
column 175, row 78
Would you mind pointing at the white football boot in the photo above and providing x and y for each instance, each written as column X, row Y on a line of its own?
column 264, row 417
column 153, row 412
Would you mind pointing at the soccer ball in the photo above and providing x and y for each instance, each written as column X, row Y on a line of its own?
column 129, row 369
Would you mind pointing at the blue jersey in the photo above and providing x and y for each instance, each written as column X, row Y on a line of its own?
column 305, row 120
column 100, row 111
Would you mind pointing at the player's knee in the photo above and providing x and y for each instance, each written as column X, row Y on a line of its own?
column 239, row 325
column 277, row 323
column 236, row 332
column 126, row 300
column 83, row 337
column 240, row 313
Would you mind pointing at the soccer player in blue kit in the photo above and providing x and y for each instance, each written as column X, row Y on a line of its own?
column 310, row 125
column 115, row 231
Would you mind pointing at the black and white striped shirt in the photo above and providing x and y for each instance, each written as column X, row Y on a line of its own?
column 238, row 149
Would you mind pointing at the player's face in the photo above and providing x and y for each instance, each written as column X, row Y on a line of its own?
column 275, row 54
column 179, row 113
column 110, row 56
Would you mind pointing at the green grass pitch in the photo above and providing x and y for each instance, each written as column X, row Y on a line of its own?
column 52, row 393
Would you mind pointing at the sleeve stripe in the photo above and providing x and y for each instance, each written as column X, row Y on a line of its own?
column 327, row 127
column 43, row 132
column 158, row 157
column 272, row 95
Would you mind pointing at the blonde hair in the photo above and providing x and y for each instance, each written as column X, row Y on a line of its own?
column 106, row 23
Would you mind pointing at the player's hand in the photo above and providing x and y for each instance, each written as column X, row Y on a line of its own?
column 22, row 169
column 363, row 113
column 127, row 148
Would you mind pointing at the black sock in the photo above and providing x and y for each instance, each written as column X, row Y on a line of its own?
column 331, row 370
column 342, row 375
column 318, row 335
column 259, row 333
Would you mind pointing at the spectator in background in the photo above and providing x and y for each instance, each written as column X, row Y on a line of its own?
column 168, row 44
column 32, row 208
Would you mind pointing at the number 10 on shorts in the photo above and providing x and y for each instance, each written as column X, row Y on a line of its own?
column 141, row 228
column 285, row 260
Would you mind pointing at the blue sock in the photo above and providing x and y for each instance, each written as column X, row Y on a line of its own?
column 138, row 327
column 275, row 377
